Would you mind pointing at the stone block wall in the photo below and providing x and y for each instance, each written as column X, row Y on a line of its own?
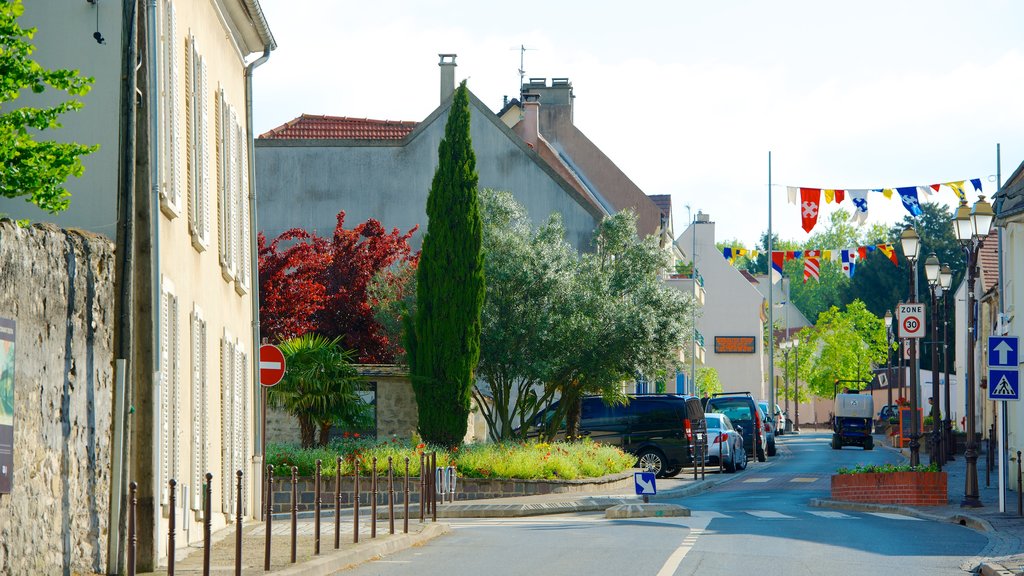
column 59, row 288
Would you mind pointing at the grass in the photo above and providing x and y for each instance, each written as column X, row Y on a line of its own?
column 529, row 460
column 886, row 468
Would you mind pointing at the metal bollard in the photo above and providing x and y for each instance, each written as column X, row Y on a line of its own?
column 405, row 500
column 133, row 500
column 720, row 442
column 270, row 516
column 238, row 523
column 391, row 495
column 433, row 486
column 337, row 504
column 207, row 513
column 295, row 507
column 1020, row 501
column 373, row 498
column 988, row 461
column 423, row 485
column 316, row 511
column 355, row 500
column 171, row 484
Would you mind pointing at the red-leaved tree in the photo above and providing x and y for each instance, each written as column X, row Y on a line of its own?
column 312, row 284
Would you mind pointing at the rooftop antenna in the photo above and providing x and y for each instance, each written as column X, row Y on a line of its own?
column 522, row 68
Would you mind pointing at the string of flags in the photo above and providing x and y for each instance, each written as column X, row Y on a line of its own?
column 847, row 258
column 809, row 199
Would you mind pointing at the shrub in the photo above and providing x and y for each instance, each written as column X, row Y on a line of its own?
column 887, row 468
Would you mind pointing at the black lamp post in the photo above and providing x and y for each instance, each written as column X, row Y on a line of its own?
column 911, row 242
column 785, row 346
column 932, row 267
column 888, row 354
column 945, row 282
column 971, row 227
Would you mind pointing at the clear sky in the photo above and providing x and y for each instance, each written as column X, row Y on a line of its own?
column 686, row 97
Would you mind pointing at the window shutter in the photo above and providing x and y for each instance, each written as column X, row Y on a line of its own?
column 175, row 394
column 204, row 465
column 227, row 411
column 238, row 462
column 204, row 158
column 244, row 240
column 221, row 175
column 243, row 428
column 170, row 191
column 165, row 378
column 198, row 405
column 190, row 126
column 233, row 194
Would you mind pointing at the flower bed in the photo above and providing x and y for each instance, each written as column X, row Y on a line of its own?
column 912, row 488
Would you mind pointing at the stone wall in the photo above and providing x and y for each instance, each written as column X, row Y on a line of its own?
column 59, row 287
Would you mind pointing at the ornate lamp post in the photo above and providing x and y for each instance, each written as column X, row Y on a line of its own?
column 910, row 242
column 888, row 354
column 971, row 227
column 945, row 282
column 932, row 268
column 795, row 343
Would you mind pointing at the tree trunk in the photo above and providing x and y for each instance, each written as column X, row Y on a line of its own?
column 325, row 434
column 307, row 431
column 572, row 419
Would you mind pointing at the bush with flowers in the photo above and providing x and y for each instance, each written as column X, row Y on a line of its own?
column 524, row 460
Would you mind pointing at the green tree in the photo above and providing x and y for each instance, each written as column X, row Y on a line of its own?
column 707, row 381
column 843, row 345
column 320, row 387
column 528, row 275
column 32, row 168
column 444, row 342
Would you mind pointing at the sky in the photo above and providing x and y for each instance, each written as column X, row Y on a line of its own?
column 688, row 98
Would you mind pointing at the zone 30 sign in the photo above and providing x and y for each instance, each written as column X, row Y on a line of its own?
column 911, row 320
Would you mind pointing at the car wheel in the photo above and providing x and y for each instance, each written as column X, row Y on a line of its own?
column 772, row 451
column 671, row 472
column 835, row 442
column 869, row 444
column 761, row 457
column 730, row 465
column 743, row 458
column 651, row 460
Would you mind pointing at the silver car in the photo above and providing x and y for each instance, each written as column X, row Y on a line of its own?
column 725, row 443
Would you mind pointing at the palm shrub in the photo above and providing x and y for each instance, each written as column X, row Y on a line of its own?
column 320, row 387
column 443, row 339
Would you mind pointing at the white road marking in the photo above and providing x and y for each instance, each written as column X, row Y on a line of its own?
column 676, row 558
column 757, row 480
column 895, row 516
column 804, row 480
column 767, row 514
column 830, row 514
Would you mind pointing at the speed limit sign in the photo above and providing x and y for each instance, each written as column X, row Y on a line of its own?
column 911, row 320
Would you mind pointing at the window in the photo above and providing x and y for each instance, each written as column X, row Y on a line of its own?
column 200, row 441
column 169, row 426
column 197, row 146
column 233, row 196
column 170, row 154
column 235, row 415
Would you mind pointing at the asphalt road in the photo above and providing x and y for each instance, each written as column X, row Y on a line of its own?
column 756, row 523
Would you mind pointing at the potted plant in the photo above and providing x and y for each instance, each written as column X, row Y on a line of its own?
column 889, row 484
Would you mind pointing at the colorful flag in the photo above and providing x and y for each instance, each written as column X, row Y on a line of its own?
column 976, row 182
column 889, row 252
column 908, row 195
column 840, row 195
column 810, row 202
column 810, row 269
column 791, row 193
column 727, row 252
column 777, row 262
column 862, row 252
column 849, row 259
column 860, row 202
column 958, row 188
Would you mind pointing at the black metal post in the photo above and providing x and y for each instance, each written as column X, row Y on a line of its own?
column 796, row 390
column 337, row 503
column 971, row 499
column 1020, row 500
column 373, row 498
column 433, row 486
column 948, row 424
column 316, row 504
column 269, row 516
column 133, row 500
column 238, row 524
column 207, row 514
column 936, row 451
column 391, row 495
column 295, row 508
column 171, row 517
column 423, row 485
column 355, row 500
column 405, row 500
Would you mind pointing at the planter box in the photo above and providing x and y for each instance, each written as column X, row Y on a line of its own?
column 909, row 488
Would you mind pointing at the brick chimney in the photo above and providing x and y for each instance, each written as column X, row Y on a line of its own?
column 531, row 122
column 447, row 65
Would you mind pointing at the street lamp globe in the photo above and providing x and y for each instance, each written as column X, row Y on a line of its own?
column 945, row 277
column 962, row 225
column 982, row 217
column 888, row 319
column 910, row 242
column 932, row 268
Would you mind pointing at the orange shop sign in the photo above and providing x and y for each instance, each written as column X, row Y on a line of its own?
column 735, row 344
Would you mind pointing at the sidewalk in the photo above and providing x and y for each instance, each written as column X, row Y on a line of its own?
column 222, row 551
column 1004, row 554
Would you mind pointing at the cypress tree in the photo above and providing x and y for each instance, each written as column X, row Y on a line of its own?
column 443, row 337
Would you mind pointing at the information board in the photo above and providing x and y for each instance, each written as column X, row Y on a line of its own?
column 907, row 426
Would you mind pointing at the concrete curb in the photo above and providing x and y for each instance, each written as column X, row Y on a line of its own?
column 987, row 569
column 332, row 563
column 979, row 524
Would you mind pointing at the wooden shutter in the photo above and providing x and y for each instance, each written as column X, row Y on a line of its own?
column 198, row 406
column 227, row 413
column 163, row 429
column 244, row 240
column 204, row 158
column 170, row 191
column 174, row 393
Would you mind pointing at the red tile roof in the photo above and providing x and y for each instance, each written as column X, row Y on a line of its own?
column 988, row 261
column 310, row 127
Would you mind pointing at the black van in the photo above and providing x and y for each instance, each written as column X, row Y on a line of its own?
column 658, row 428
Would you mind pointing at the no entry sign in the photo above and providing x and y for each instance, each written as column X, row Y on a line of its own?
column 271, row 365
column 911, row 320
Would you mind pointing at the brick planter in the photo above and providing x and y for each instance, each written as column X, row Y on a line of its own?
column 909, row 488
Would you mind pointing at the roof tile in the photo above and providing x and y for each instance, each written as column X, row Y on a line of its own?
column 311, row 127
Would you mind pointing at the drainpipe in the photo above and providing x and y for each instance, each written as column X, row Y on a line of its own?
column 254, row 266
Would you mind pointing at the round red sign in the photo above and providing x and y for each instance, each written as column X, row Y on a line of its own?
column 271, row 365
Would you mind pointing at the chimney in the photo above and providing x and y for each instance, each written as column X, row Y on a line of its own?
column 447, row 65
column 531, row 113
column 558, row 96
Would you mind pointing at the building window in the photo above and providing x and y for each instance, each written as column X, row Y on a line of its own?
column 235, row 414
column 169, row 136
column 200, row 427
column 170, row 401
column 197, row 146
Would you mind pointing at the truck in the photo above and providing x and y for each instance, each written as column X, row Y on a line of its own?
column 851, row 424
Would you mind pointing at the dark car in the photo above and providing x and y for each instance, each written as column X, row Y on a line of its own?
column 742, row 410
column 657, row 428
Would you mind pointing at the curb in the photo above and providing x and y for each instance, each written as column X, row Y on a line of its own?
column 991, row 569
column 979, row 524
column 331, row 564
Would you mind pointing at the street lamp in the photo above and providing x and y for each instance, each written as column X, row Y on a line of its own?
column 888, row 354
column 945, row 282
column 910, row 242
column 785, row 346
column 795, row 343
column 971, row 227
column 932, row 269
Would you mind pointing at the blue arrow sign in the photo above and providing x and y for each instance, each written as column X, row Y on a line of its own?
column 1002, row 351
column 644, row 483
column 1003, row 384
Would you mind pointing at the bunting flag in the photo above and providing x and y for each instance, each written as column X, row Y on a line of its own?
column 810, row 268
column 889, row 252
column 810, row 201
column 849, row 262
column 810, row 198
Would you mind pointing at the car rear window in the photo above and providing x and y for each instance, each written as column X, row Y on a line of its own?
column 736, row 409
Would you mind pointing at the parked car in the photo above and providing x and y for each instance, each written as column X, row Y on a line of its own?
column 852, row 421
column 742, row 410
column 726, row 444
column 657, row 428
column 780, row 421
column 770, row 428
column 889, row 411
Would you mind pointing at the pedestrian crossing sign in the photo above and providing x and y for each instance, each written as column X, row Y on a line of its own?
column 1003, row 384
